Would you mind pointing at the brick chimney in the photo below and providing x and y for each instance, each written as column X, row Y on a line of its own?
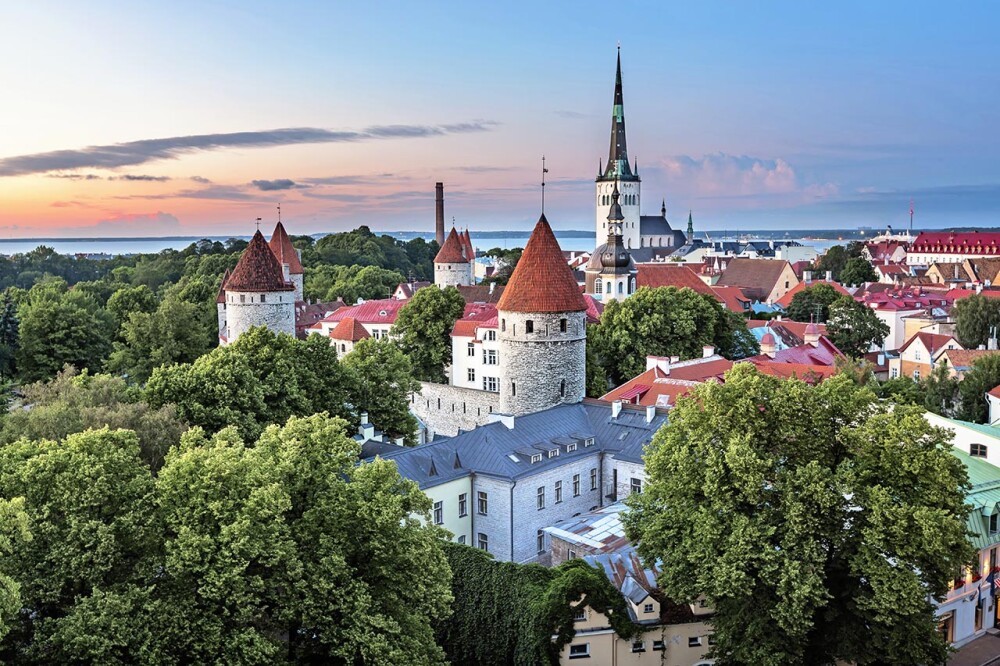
column 439, row 213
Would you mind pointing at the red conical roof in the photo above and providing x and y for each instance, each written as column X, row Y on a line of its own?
column 453, row 251
column 281, row 246
column 471, row 251
column 258, row 269
column 221, row 296
column 542, row 280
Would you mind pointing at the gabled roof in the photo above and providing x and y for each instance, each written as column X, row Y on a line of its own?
column 671, row 275
column 933, row 342
column 542, row 281
column 757, row 276
column 349, row 329
column 453, row 251
column 381, row 311
column 786, row 300
column 995, row 392
column 283, row 249
column 470, row 251
column 733, row 298
column 221, row 296
column 407, row 289
column 258, row 269
column 962, row 359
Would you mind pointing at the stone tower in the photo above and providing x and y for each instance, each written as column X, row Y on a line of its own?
column 453, row 265
column 611, row 272
column 542, row 332
column 288, row 257
column 257, row 293
column 618, row 173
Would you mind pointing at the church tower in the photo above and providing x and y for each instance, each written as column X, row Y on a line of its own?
column 543, row 336
column 611, row 272
column 619, row 172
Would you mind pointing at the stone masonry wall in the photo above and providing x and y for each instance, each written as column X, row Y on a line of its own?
column 453, row 275
column 444, row 409
column 277, row 312
column 534, row 365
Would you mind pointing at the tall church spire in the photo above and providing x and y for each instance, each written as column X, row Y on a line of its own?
column 690, row 231
column 618, row 166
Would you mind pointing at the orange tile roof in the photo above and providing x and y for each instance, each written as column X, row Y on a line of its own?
column 258, row 269
column 786, row 300
column 995, row 392
column 733, row 298
column 542, row 281
column 453, row 251
column 221, row 296
column 964, row 358
column 350, row 329
column 933, row 342
column 283, row 249
column 666, row 275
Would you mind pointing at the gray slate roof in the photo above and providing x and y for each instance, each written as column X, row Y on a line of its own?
column 494, row 450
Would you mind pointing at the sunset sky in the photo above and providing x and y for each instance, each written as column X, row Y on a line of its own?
column 189, row 118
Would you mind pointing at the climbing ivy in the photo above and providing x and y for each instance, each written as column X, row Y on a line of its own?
column 506, row 613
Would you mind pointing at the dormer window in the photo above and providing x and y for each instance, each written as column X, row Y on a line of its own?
column 553, row 453
column 977, row 450
column 536, row 458
column 589, row 441
column 993, row 522
column 571, row 447
column 382, row 313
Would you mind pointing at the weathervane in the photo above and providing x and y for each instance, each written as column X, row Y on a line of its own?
column 258, row 224
column 279, row 213
column 544, row 171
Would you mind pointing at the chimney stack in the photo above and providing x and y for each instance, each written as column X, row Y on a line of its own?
column 439, row 213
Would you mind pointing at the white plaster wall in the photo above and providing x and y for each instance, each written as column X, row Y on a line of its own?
column 630, row 225
column 453, row 275
column 277, row 312
column 462, row 362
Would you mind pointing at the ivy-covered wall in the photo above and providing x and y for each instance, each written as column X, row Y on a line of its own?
column 506, row 613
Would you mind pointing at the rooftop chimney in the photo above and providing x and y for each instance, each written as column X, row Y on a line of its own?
column 650, row 413
column 707, row 350
column 439, row 213
column 829, row 276
column 807, row 276
column 616, row 408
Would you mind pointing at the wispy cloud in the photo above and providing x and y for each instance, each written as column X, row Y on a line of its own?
column 201, row 179
column 132, row 153
column 141, row 177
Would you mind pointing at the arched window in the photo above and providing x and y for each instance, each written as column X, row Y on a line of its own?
column 621, row 287
column 597, row 286
column 608, row 288
column 632, row 290
column 977, row 450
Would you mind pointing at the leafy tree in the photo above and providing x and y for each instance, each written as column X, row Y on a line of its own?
column 854, row 327
column 92, row 527
column 10, row 338
column 349, row 283
column 383, row 382
column 13, row 533
column 260, row 379
column 977, row 382
column 524, row 605
column 664, row 321
column 819, row 522
column 423, row 330
column 506, row 262
column 173, row 333
column 813, row 303
column 975, row 316
column 60, row 326
column 940, row 391
column 76, row 401
column 857, row 271
column 127, row 300
column 901, row 389
column 835, row 259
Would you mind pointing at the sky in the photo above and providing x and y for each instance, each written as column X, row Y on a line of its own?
column 195, row 118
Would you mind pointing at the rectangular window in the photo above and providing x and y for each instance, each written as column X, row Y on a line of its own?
column 461, row 539
column 638, row 646
column 563, row 325
column 916, row 354
column 589, row 441
column 463, row 509
column 438, row 513
column 977, row 450
column 636, row 485
column 491, row 335
column 491, row 384
column 540, row 498
column 571, row 555
column 558, row 492
column 483, row 542
column 576, row 485
column 553, row 453
column 580, row 614
column 536, row 458
column 472, row 349
column 694, row 641
column 647, row 608
column 263, row 298
column 471, row 374
column 894, row 372
column 658, row 646
column 571, row 447
column 490, row 356
column 243, row 298
column 579, row 651
column 593, row 478
column 993, row 523
column 529, row 326
column 484, row 504
column 540, row 539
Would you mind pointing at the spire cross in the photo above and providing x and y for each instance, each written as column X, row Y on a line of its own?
column 544, row 171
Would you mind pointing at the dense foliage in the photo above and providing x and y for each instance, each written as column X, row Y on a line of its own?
column 975, row 318
column 423, row 330
column 284, row 552
column 813, row 303
column 818, row 521
column 857, row 271
column 835, row 259
column 505, row 262
column 506, row 613
column 854, row 327
column 664, row 321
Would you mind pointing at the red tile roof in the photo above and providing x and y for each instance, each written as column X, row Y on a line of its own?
column 476, row 315
column 349, row 329
column 258, row 269
column 221, row 296
column 381, row 311
column 806, row 372
column 283, row 249
column 470, row 250
column 995, row 392
column 824, row 354
column 453, row 251
column 933, row 342
column 666, row 275
column 733, row 298
column 964, row 358
column 949, row 242
column 542, row 281
column 757, row 276
column 594, row 309
column 786, row 300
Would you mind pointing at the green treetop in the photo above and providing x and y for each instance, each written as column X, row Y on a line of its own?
column 423, row 330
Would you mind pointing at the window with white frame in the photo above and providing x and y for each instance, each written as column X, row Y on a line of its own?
column 540, row 541
column 593, row 478
column 558, row 492
column 579, row 651
column 638, row 645
column 463, row 505
column 461, row 539
column 553, row 453
column 491, row 384
column 483, row 542
column 491, row 335
column 635, row 485
column 471, row 374
column 484, row 504
column 576, row 485
column 647, row 608
column 536, row 458
column 580, row 614
column 694, row 641
column 540, row 498
column 658, row 646
column 598, row 287
column 490, row 356
column 472, row 349
column 438, row 513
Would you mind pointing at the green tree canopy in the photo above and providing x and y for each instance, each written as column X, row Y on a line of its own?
column 977, row 382
column 423, row 330
column 260, row 379
column 835, row 259
column 13, row 533
column 975, row 316
column 75, row 401
column 349, row 283
column 664, row 321
column 813, row 303
column 818, row 521
column 857, row 271
column 383, row 382
column 854, row 327
column 60, row 326
column 127, row 300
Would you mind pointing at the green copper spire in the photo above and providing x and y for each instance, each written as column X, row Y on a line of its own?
column 618, row 166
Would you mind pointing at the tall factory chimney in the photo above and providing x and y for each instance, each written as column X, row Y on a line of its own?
column 439, row 213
